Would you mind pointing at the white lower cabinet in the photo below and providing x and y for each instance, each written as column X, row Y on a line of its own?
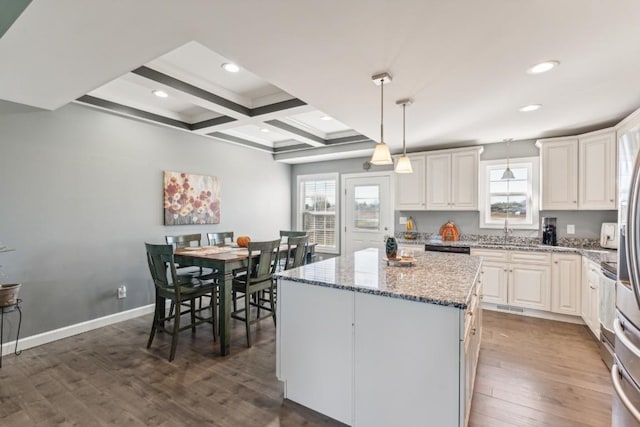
column 530, row 286
column 591, row 296
column 535, row 280
column 370, row 360
column 565, row 274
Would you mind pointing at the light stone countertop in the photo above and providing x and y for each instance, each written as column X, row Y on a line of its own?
column 435, row 277
column 594, row 254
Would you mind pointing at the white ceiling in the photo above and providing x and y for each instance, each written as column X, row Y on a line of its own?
column 463, row 63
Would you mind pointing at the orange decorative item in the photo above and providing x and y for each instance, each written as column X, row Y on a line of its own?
column 449, row 232
column 243, row 241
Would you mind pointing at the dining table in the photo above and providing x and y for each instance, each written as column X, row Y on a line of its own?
column 223, row 260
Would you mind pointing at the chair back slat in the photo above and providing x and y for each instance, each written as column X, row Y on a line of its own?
column 219, row 238
column 291, row 233
column 184, row 240
column 296, row 251
column 160, row 259
column 264, row 265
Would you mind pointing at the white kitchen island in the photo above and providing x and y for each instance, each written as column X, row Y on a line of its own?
column 374, row 345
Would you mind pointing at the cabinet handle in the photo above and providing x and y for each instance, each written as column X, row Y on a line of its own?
column 592, row 287
column 575, row 201
column 611, row 200
column 505, row 270
column 510, row 271
column 473, row 331
column 555, row 262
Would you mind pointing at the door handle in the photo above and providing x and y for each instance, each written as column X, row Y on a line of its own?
column 615, row 377
column 618, row 329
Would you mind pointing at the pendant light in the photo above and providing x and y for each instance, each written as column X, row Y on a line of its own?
column 508, row 174
column 381, row 154
column 404, row 163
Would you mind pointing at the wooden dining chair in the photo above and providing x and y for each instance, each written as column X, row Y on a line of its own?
column 220, row 238
column 296, row 251
column 170, row 287
column 261, row 265
column 185, row 241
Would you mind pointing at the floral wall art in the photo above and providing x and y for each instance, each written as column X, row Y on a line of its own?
column 191, row 199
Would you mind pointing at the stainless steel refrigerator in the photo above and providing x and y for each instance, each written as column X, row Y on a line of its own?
column 625, row 371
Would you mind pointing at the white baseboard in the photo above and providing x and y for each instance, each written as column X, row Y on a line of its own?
column 78, row 328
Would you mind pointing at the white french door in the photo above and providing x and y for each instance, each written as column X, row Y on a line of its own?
column 367, row 211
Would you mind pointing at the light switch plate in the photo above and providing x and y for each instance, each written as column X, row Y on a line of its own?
column 571, row 229
column 403, row 220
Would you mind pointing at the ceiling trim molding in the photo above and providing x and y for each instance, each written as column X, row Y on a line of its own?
column 212, row 122
column 323, row 151
column 241, row 141
column 185, row 87
column 345, row 139
column 290, row 148
column 277, row 106
column 296, row 131
column 134, row 112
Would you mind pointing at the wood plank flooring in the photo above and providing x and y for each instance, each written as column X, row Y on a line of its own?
column 532, row 372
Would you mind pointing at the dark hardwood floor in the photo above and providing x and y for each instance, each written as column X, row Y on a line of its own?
column 532, row 372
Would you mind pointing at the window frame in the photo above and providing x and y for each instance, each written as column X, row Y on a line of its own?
column 301, row 179
column 533, row 189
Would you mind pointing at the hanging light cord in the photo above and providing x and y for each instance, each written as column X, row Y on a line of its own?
column 404, row 144
column 382, row 110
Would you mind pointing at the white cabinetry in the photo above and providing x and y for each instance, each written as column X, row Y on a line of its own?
column 591, row 295
column 330, row 357
column 559, row 175
column 410, row 187
column 535, row 280
column 565, row 276
column 519, row 279
column 579, row 172
column 452, row 179
column 597, row 171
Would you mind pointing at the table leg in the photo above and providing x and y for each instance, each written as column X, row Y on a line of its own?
column 225, row 313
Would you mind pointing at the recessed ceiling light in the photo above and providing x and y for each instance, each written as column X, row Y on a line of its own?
column 530, row 107
column 543, row 67
column 232, row 68
column 160, row 93
column 265, row 130
column 325, row 118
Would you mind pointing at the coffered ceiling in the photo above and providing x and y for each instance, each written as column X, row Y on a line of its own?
column 301, row 63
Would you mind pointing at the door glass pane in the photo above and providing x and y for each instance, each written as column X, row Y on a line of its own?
column 366, row 207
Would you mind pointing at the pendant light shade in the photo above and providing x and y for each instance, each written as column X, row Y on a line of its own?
column 404, row 163
column 508, row 173
column 381, row 154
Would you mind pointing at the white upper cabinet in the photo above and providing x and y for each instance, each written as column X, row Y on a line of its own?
column 579, row 172
column 559, row 175
column 410, row 187
column 597, row 169
column 452, row 179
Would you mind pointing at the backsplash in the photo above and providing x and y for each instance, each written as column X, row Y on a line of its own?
column 587, row 223
column 572, row 242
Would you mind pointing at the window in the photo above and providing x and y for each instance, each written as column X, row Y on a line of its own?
column 317, row 210
column 515, row 200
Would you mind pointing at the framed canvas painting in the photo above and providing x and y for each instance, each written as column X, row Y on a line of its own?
column 191, row 199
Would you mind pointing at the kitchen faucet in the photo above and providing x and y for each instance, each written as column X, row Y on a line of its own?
column 506, row 230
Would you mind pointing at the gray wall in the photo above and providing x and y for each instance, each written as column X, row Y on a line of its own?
column 81, row 192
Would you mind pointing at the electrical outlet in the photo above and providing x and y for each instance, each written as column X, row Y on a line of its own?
column 403, row 220
column 571, row 229
column 122, row 292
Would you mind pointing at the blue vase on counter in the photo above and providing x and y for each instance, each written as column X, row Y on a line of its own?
column 391, row 247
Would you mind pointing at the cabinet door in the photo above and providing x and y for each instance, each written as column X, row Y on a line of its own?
column 438, row 181
column 597, row 166
column 464, row 180
column 410, row 187
column 585, row 305
column 494, row 282
column 530, row 286
column 559, row 175
column 565, row 284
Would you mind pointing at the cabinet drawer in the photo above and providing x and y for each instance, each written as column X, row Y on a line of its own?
column 531, row 257
column 490, row 254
